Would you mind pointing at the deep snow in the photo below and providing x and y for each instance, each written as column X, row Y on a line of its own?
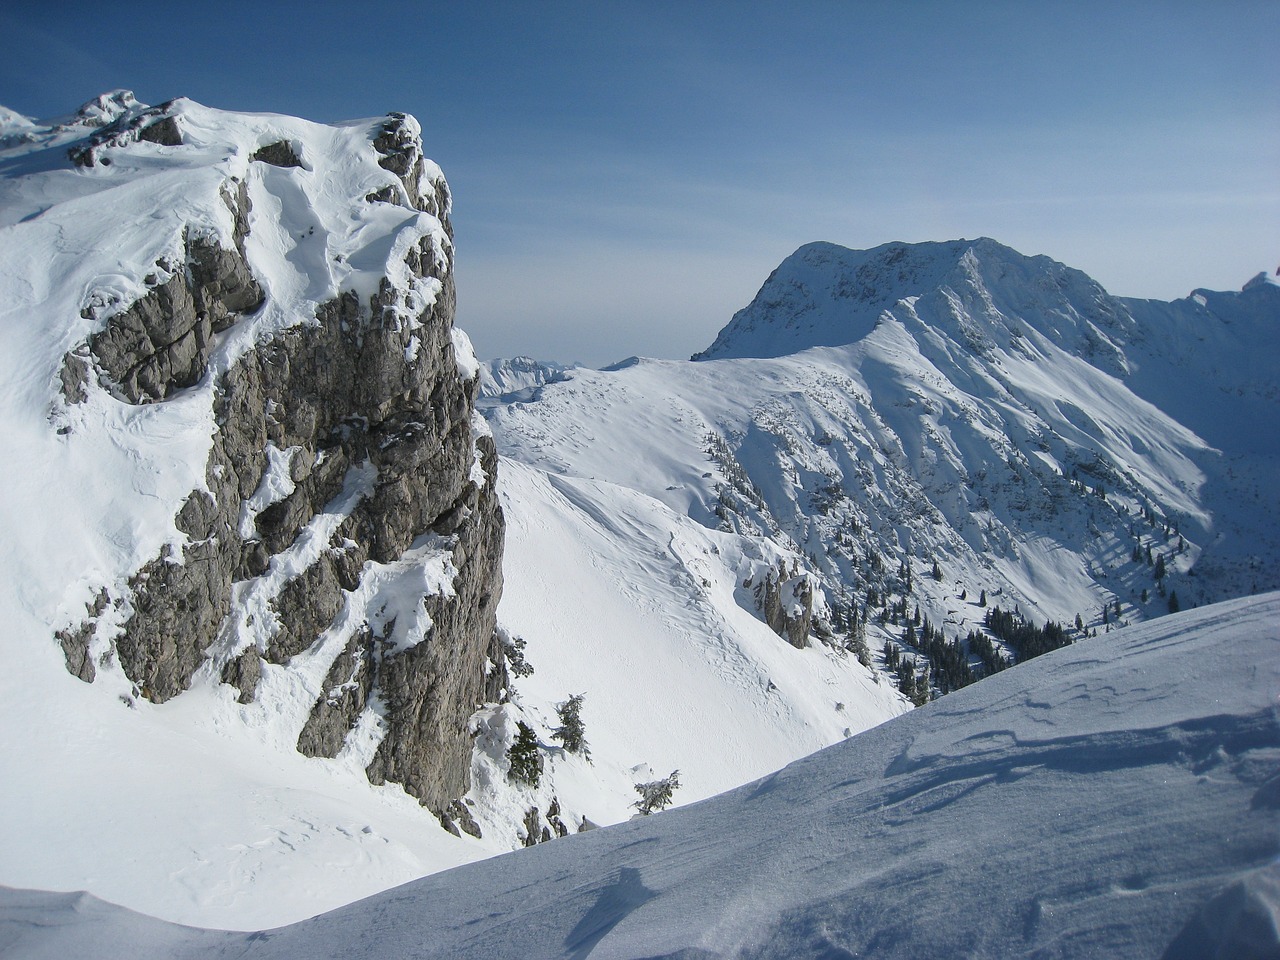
column 1115, row 798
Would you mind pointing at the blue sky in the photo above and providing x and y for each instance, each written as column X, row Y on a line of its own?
column 627, row 174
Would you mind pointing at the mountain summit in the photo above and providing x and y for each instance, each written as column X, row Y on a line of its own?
column 979, row 291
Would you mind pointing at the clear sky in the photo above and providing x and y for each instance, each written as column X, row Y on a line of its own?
column 625, row 175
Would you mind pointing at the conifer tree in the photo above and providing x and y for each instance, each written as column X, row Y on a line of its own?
column 571, row 731
column 1174, row 606
column 656, row 794
column 525, row 764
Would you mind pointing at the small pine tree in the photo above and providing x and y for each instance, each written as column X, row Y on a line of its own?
column 1174, row 606
column 1146, row 594
column 1160, row 569
column 516, row 663
column 982, row 598
column 525, row 766
column 571, row 731
column 1079, row 623
column 922, row 694
column 937, row 571
column 656, row 794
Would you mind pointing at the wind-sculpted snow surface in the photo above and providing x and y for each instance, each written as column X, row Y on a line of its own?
column 1117, row 798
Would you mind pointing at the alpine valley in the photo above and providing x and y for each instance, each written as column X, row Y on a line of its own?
column 304, row 602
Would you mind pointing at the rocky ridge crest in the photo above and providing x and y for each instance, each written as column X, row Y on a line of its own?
column 345, row 550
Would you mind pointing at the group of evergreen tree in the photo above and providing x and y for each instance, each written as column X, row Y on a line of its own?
column 846, row 618
column 524, row 762
column 1026, row 639
column 981, row 646
column 948, row 661
column 914, row 686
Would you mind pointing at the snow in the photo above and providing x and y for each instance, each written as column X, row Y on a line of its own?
column 646, row 621
column 200, row 810
column 1113, row 798
column 509, row 379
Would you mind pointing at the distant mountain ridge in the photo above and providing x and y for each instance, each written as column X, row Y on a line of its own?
column 1208, row 360
column 827, row 295
column 940, row 429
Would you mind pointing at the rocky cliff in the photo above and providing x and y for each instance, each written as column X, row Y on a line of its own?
column 337, row 561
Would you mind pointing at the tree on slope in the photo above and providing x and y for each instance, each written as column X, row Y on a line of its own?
column 571, row 731
column 525, row 764
column 656, row 794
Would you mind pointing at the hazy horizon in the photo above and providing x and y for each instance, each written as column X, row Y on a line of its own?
column 626, row 175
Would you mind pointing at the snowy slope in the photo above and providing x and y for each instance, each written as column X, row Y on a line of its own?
column 998, row 416
column 1115, row 798
column 956, row 403
column 517, row 376
column 642, row 610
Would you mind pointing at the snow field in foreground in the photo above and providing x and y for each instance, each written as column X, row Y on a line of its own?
column 1114, row 798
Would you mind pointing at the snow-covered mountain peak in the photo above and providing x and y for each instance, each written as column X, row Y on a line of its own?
column 227, row 355
column 510, row 378
column 1262, row 279
column 103, row 110
column 108, row 107
column 979, row 293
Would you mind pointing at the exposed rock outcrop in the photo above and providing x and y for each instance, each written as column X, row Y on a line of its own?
column 785, row 598
column 119, row 125
column 345, row 458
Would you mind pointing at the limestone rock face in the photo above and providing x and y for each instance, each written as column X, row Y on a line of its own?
column 349, row 527
column 785, row 599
